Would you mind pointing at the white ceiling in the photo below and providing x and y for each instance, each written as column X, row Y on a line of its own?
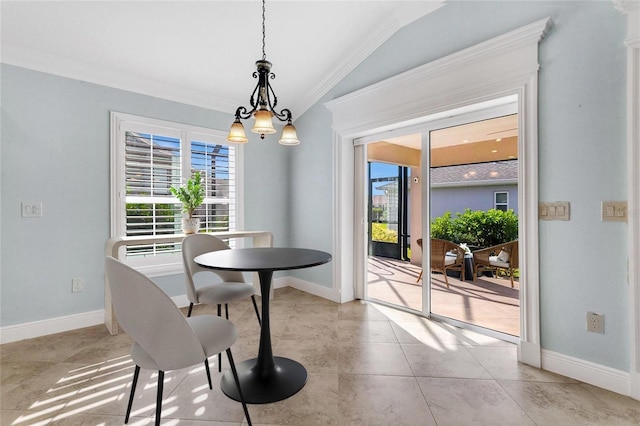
column 202, row 52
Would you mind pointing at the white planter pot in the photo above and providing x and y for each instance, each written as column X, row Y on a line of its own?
column 190, row 226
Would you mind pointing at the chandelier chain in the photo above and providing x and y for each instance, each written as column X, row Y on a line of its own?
column 264, row 55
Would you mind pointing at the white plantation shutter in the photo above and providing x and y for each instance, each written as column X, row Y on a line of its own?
column 148, row 158
column 217, row 165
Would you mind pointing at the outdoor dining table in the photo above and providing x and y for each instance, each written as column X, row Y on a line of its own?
column 266, row 378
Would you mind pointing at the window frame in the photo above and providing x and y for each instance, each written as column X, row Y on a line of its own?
column 121, row 123
column 495, row 201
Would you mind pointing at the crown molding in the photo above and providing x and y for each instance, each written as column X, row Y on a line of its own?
column 83, row 71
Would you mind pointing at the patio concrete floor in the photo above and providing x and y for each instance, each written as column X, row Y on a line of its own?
column 488, row 302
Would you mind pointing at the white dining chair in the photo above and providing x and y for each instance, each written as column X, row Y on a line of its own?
column 164, row 339
column 224, row 288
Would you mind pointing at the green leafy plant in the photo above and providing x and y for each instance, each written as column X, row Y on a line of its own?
column 380, row 232
column 477, row 227
column 191, row 196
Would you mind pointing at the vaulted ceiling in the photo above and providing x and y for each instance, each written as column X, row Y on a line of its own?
column 202, row 52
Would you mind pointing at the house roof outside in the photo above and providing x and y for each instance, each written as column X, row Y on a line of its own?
column 491, row 173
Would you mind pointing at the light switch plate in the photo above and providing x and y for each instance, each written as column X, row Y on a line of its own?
column 31, row 209
column 557, row 210
column 614, row 211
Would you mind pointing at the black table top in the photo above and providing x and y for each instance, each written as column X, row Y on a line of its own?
column 262, row 259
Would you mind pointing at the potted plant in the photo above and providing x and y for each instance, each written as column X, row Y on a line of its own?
column 191, row 196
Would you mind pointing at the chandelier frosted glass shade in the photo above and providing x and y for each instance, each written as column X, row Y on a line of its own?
column 289, row 135
column 263, row 124
column 236, row 133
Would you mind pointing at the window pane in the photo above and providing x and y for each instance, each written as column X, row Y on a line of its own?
column 215, row 161
column 501, row 198
column 153, row 219
column 152, row 164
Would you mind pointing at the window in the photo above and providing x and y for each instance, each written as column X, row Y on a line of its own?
column 501, row 201
column 150, row 156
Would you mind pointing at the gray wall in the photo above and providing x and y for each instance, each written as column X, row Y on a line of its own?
column 582, row 155
column 457, row 199
column 55, row 150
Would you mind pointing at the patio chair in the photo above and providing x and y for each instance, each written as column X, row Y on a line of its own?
column 501, row 257
column 163, row 338
column 445, row 256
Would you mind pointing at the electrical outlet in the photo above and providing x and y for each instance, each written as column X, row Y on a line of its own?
column 77, row 285
column 595, row 322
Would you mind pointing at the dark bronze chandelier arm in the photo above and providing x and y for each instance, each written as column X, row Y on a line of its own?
column 242, row 113
column 284, row 115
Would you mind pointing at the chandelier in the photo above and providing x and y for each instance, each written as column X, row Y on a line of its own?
column 263, row 103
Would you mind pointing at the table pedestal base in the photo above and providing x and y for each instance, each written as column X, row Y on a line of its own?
column 285, row 380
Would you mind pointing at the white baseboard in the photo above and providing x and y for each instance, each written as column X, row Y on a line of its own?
column 14, row 333
column 309, row 287
column 588, row 372
column 29, row 330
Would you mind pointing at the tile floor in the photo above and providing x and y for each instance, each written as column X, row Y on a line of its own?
column 368, row 365
column 487, row 302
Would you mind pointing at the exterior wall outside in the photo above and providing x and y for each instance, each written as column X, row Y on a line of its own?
column 457, row 199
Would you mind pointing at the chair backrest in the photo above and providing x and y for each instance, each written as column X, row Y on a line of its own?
column 149, row 316
column 439, row 249
column 512, row 248
column 194, row 245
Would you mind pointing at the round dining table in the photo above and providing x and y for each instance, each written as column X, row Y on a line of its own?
column 266, row 378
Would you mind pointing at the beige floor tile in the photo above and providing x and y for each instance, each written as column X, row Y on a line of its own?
column 365, row 331
column 501, row 362
column 59, row 347
column 193, row 400
column 373, row 358
column 382, row 400
column 315, row 405
column 317, row 356
column 359, row 310
column 303, row 330
column 24, row 417
column 471, row 402
column 448, row 361
column 566, row 404
column 424, row 332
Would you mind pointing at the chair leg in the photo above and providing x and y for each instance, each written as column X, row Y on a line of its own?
column 419, row 276
column 159, row 397
column 206, row 367
column 226, row 311
column 444, row 272
column 255, row 307
column 219, row 355
column 136, row 373
column 511, row 276
column 190, row 309
column 235, row 377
